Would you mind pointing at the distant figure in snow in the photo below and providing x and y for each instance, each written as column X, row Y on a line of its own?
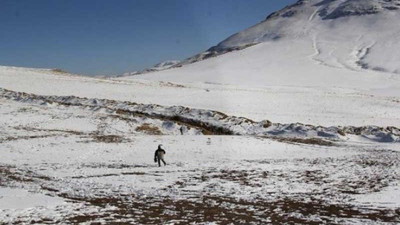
column 159, row 155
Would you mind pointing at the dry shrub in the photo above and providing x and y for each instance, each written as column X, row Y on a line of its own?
column 149, row 129
column 57, row 70
column 108, row 138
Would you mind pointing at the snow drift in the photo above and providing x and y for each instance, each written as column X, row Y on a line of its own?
column 216, row 123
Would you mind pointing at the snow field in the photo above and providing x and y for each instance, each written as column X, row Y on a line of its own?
column 75, row 177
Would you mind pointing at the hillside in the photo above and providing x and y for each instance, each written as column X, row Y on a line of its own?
column 330, row 43
column 295, row 120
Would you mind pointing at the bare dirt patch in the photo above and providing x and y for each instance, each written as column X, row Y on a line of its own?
column 227, row 210
column 308, row 141
column 58, row 70
column 10, row 175
column 149, row 129
column 7, row 139
column 107, row 138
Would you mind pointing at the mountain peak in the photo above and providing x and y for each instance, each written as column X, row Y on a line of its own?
column 280, row 24
column 334, row 9
column 348, row 34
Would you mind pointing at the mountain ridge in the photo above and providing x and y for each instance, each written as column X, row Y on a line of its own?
column 306, row 18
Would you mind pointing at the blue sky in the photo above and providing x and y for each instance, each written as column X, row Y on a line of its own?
column 111, row 37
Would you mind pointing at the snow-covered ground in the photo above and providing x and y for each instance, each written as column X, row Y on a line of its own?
column 300, row 127
column 81, row 162
column 284, row 104
column 289, row 63
column 302, row 56
column 158, row 67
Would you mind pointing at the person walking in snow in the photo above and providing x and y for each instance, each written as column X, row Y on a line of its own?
column 159, row 155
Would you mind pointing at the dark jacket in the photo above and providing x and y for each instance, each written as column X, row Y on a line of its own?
column 158, row 154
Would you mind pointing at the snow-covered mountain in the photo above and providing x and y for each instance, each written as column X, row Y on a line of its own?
column 313, row 16
column 345, row 33
column 294, row 120
column 315, row 62
column 363, row 21
column 310, row 43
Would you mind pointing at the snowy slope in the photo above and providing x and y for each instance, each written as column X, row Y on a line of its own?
column 328, row 43
column 178, row 120
column 158, row 67
column 76, row 164
column 284, row 104
column 311, row 67
column 79, row 150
